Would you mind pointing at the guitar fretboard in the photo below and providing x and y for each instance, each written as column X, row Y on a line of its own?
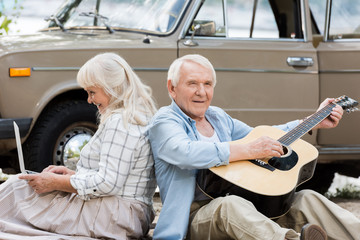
column 306, row 125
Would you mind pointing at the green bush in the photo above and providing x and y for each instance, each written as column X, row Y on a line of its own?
column 349, row 191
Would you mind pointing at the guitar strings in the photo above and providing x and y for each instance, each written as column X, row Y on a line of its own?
column 306, row 125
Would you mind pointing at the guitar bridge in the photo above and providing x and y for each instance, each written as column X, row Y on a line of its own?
column 263, row 164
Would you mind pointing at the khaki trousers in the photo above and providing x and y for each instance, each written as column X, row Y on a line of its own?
column 233, row 217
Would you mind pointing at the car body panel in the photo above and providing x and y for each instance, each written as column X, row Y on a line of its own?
column 339, row 74
column 58, row 61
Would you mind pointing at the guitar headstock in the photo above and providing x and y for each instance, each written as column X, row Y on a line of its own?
column 348, row 104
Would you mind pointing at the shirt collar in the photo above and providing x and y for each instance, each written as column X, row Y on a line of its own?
column 178, row 110
column 211, row 115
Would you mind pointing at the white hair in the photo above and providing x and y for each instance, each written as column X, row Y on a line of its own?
column 174, row 70
column 128, row 94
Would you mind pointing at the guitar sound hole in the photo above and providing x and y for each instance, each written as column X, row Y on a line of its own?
column 286, row 151
column 286, row 161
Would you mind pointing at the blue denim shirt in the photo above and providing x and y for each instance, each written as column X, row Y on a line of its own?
column 178, row 154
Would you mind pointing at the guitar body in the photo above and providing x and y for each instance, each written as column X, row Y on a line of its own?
column 269, row 184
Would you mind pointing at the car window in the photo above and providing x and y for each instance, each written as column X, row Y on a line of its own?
column 240, row 16
column 250, row 19
column 318, row 10
column 146, row 15
column 345, row 20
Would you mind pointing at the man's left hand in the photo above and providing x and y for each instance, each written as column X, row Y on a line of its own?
column 334, row 118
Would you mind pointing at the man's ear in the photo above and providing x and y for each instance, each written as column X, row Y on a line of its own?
column 171, row 89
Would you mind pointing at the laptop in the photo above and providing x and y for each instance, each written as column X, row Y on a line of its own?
column 20, row 153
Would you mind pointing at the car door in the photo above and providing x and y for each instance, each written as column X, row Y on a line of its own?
column 339, row 70
column 266, row 66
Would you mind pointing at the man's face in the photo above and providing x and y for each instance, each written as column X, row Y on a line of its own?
column 195, row 90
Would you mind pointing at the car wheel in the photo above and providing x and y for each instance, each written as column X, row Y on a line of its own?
column 59, row 134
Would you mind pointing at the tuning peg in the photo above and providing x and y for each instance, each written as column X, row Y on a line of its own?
column 350, row 110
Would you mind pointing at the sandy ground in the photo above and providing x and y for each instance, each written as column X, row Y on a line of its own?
column 352, row 205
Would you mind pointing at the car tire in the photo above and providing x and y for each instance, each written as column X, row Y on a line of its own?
column 52, row 129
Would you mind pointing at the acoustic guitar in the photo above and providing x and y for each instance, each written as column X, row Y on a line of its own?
column 270, row 184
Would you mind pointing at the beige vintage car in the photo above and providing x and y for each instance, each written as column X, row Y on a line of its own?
column 276, row 60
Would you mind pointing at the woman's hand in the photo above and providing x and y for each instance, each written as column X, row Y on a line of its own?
column 42, row 182
column 59, row 170
column 47, row 181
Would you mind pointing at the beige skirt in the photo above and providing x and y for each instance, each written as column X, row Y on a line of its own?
column 25, row 214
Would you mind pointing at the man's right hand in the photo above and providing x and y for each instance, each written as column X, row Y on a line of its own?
column 263, row 147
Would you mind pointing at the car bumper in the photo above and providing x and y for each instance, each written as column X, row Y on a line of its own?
column 7, row 127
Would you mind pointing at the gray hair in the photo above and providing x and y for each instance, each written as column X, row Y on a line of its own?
column 174, row 70
column 128, row 94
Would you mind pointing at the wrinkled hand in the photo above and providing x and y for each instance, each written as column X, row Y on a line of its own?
column 42, row 182
column 334, row 118
column 264, row 147
column 59, row 170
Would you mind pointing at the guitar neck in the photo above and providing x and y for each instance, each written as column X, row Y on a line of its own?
column 306, row 125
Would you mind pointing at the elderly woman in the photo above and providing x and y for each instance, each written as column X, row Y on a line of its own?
column 110, row 194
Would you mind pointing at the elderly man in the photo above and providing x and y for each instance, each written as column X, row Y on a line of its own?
column 190, row 134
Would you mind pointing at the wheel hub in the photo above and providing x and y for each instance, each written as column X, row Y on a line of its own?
column 69, row 147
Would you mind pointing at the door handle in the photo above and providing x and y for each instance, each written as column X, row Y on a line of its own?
column 300, row 61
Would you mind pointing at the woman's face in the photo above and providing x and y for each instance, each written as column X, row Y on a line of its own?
column 98, row 97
